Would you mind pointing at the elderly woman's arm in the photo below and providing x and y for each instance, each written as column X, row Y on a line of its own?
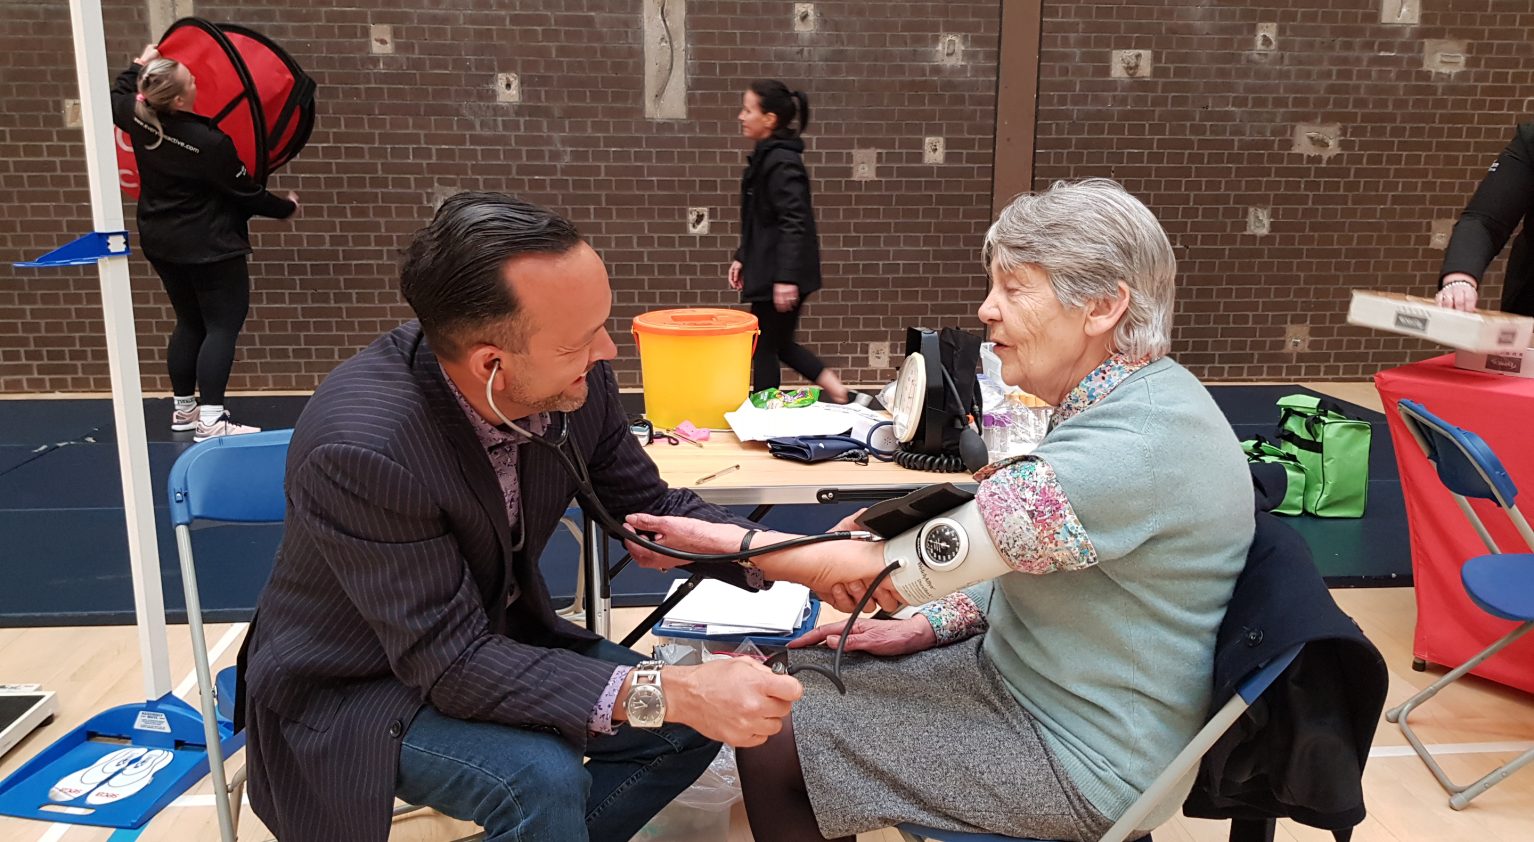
column 1032, row 524
column 1029, row 518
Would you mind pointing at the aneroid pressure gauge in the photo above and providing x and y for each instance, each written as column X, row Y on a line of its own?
column 942, row 544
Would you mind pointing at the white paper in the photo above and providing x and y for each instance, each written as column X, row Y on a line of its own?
column 752, row 424
column 725, row 609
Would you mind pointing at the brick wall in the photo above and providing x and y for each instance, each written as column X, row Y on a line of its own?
column 1210, row 133
column 397, row 132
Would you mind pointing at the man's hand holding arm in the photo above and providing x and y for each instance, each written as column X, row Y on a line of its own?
column 838, row 571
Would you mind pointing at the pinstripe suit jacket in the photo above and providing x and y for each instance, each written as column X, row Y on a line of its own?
column 401, row 582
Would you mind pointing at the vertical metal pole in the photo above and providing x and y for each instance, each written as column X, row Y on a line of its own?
column 598, row 590
column 122, row 345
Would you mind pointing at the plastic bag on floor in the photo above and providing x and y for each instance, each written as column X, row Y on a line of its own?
column 718, row 788
column 702, row 812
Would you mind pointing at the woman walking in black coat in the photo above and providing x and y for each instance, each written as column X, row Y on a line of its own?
column 195, row 200
column 777, row 265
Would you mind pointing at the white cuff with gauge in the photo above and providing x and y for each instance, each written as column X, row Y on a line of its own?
column 944, row 555
column 940, row 540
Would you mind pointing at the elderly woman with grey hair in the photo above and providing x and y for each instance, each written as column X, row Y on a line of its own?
column 1043, row 702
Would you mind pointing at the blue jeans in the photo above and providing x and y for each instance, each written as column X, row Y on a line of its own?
column 517, row 784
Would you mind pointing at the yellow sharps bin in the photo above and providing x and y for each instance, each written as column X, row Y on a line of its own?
column 696, row 363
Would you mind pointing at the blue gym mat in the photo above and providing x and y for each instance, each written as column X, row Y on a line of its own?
column 65, row 548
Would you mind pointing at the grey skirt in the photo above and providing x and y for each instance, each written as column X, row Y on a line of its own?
column 933, row 738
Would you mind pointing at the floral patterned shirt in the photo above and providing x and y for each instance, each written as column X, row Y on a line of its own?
column 501, row 447
column 1026, row 511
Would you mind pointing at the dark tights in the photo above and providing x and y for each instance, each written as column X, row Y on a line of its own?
column 777, row 343
column 211, row 301
column 777, row 802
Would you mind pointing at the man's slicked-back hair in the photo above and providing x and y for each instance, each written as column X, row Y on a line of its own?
column 452, row 272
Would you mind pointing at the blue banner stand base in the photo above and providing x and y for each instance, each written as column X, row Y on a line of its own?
column 87, row 249
column 122, row 766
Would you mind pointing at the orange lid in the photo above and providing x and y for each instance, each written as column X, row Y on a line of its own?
column 695, row 321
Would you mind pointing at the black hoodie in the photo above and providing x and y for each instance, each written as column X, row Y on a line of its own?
column 195, row 194
column 778, row 240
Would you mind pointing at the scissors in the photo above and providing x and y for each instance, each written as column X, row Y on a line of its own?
column 647, row 432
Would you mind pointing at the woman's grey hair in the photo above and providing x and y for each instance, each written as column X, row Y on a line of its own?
column 1088, row 236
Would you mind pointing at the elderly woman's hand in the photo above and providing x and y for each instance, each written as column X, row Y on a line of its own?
column 841, row 576
column 876, row 637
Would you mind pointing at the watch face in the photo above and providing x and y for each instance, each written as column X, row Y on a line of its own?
column 646, row 706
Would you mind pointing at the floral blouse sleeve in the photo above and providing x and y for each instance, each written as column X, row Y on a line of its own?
column 1033, row 526
column 1030, row 519
column 954, row 617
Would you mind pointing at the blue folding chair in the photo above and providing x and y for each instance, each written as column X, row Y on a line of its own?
column 1501, row 584
column 1182, row 766
column 233, row 479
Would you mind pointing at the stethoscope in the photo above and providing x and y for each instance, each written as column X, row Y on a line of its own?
column 575, row 465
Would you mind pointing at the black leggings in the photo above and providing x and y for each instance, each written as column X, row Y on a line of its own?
column 777, row 343
column 211, row 301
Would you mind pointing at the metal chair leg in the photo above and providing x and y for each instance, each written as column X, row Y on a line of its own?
column 237, row 798
column 1461, row 800
column 575, row 612
column 204, row 670
column 1460, row 795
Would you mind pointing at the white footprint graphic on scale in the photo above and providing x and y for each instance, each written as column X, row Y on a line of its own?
column 78, row 783
column 131, row 779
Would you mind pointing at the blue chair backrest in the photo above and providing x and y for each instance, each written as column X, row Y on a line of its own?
column 1258, row 682
column 231, row 478
column 1466, row 464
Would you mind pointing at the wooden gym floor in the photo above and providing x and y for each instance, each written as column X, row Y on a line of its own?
column 1479, row 723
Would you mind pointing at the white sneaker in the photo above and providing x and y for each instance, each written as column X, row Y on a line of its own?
column 222, row 427
column 182, row 420
column 78, row 783
column 134, row 777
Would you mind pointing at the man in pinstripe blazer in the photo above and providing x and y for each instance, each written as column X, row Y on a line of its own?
column 406, row 644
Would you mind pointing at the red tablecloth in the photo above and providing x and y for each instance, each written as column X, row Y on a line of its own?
column 1450, row 628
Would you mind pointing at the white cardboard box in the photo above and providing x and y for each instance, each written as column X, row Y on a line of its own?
column 1516, row 363
column 1482, row 331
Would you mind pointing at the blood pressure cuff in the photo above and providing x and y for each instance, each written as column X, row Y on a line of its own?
column 812, row 449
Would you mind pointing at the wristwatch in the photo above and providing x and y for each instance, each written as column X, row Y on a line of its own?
column 646, row 704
